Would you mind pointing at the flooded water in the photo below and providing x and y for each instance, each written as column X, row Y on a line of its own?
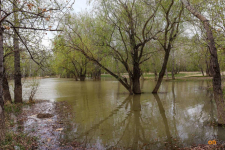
column 106, row 116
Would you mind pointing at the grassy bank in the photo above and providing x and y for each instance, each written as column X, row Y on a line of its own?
column 180, row 76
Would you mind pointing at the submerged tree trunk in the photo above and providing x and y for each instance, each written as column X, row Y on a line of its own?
column 75, row 77
column 6, row 92
column 97, row 73
column 17, row 71
column 162, row 72
column 217, row 89
column 82, row 77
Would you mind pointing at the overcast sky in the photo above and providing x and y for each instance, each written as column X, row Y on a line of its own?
column 80, row 5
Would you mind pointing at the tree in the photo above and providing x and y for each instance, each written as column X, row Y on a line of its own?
column 171, row 30
column 1, row 60
column 121, row 32
column 217, row 89
column 68, row 60
column 32, row 15
column 17, row 71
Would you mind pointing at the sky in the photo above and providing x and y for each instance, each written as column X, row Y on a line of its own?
column 79, row 5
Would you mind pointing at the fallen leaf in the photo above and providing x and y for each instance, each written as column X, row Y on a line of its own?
column 59, row 129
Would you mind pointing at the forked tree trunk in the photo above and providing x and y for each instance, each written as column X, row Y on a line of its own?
column 162, row 72
column 217, row 89
column 17, row 71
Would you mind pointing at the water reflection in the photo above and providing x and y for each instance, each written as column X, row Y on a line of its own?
column 107, row 117
column 163, row 115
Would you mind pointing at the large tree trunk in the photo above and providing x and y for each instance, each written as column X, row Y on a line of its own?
column 136, row 79
column 2, row 120
column 1, row 64
column 6, row 92
column 17, row 71
column 217, row 89
column 162, row 72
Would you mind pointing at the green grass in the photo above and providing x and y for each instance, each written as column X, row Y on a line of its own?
column 13, row 108
column 106, row 75
column 169, row 75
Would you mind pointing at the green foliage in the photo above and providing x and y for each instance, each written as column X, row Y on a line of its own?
column 13, row 108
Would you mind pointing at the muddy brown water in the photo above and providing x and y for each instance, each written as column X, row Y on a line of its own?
column 107, row 117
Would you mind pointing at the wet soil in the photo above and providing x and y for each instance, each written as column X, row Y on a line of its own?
column 46, row 121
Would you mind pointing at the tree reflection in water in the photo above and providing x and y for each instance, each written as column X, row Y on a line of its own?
column 169, row 142
column 106, row 118
column 134, row 127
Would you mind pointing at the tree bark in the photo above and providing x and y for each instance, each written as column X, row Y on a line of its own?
column 17, row 71
column 1, row 64
column 162, row 72
column 136, row 79
column 6, row 92
column 173, row 65
column 2, row 120
column 214, row 64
